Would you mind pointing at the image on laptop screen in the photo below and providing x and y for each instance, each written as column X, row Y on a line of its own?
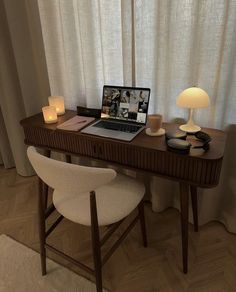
column 125, row 103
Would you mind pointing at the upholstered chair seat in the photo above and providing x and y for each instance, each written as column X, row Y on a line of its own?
column 115, row 201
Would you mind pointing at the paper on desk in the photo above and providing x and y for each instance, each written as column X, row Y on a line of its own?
column 76, row 123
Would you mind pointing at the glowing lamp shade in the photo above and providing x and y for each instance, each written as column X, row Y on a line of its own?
column 58, row 103
column 191, row 98
column 49, row 114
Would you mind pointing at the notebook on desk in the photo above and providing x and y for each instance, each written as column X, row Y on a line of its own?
column 124, row 113
column 75, row 124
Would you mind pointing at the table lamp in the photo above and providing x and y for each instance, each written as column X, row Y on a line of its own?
column 191, row 98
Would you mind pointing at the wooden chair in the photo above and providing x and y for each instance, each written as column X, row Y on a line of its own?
column 89, row 196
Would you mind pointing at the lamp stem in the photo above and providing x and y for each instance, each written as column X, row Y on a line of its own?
column 190, row 119
column 190, row 127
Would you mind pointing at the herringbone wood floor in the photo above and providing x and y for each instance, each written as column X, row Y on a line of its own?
column 212, row 251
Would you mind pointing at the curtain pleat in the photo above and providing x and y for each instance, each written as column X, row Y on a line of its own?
column 6, row 156
column 24, row 86
column 188, row 43
column 87, row 44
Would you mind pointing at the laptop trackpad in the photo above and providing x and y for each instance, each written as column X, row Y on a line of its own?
column 109, row 133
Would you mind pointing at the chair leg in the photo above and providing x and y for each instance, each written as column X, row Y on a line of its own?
column 142, row 222
column 45, row 191
column 96, row 242
column 42, row 237
column 47, row 153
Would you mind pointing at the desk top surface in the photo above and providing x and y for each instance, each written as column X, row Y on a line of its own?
column 141, row 140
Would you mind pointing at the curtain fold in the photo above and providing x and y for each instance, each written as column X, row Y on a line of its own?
column 87, row 44
column 24, row 86
column 188, row 43
column 11, row 107
column 6, row 156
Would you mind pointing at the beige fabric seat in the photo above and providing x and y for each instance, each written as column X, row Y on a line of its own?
column 90, row 196
column 115, row 201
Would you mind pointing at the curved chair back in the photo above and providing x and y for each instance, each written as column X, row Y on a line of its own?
column 66, row 177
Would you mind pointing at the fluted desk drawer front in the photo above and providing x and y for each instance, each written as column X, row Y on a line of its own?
column 179, row 167
column 62, row 141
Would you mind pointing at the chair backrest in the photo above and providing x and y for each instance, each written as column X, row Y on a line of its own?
column 66, row 177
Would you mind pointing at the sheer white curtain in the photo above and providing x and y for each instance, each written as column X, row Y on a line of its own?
column 87, row 44
column 177, row 44
column 184, row 43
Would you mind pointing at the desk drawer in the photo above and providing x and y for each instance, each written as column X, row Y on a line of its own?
column 192, row 170
column 164, row 163
column 60, row 140
column 179, row 167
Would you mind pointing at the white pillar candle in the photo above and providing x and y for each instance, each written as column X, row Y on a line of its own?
column 58, row 102
column 49, row 114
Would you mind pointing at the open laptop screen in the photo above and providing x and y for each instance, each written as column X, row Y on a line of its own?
column 125, row 103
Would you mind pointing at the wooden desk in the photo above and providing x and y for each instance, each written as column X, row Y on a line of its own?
column 144, row 153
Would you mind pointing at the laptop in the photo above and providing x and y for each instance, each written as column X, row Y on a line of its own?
column 124, row 113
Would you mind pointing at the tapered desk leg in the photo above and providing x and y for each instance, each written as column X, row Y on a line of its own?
column 184, row 200
column 193, row 191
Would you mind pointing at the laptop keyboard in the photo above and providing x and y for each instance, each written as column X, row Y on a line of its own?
column 118, row 126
